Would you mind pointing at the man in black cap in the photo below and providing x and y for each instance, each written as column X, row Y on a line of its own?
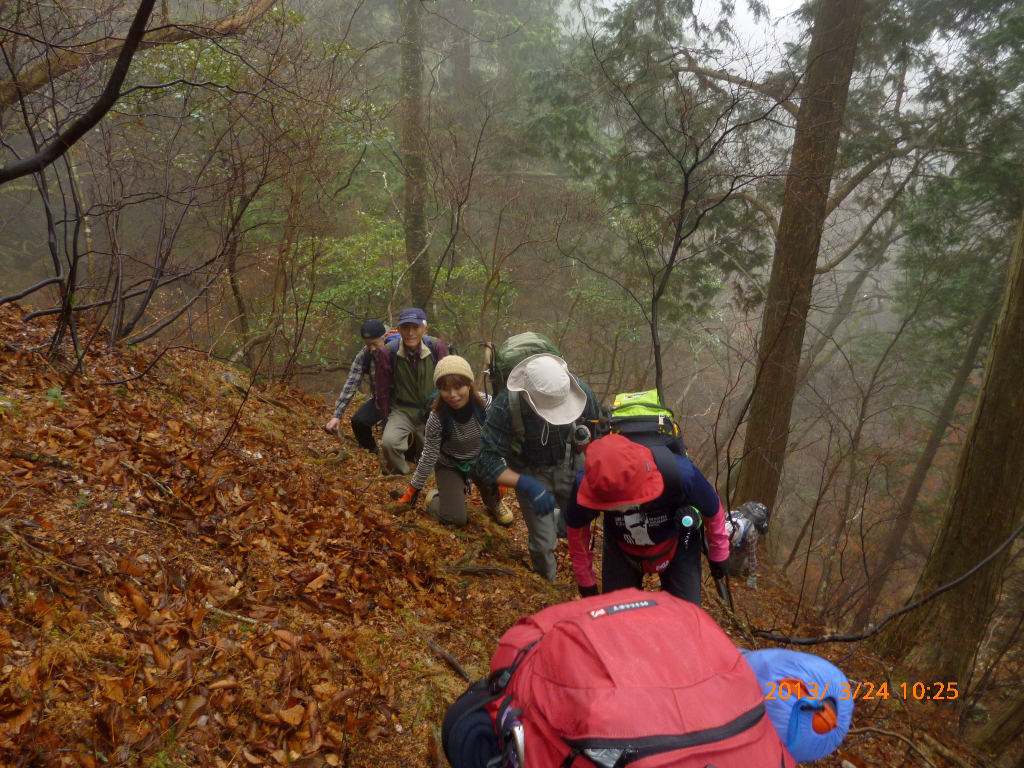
column 365, row 364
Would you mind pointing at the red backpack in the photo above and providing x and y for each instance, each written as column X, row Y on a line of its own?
column 622, row 678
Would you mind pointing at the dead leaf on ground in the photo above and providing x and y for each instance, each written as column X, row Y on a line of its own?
column 293, row 716
column 318, row 582
column 325, row 690
column 193, row 707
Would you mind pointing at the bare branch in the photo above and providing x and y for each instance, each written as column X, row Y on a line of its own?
column 67, row 138
column 776, row 93
column 763, row 209
column 61, row 61
column 32, row 289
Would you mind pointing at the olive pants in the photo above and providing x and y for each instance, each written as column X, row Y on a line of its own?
column 449, row 506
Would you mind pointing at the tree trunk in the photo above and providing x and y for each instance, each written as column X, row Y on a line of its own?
column 231, row 263
column 413, row 140
column 904, row 517
column 1004, row 728
column 986, row 504
column 837, row 25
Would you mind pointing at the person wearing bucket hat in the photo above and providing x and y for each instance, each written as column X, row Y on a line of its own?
column 451, row 441
column 405, row 383
column 374, row 335
column 654, row 507
column 528, row 444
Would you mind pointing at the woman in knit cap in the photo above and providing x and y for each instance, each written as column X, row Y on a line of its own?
column 451, row 440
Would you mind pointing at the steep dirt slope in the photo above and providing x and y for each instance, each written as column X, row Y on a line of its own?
column 192, row 572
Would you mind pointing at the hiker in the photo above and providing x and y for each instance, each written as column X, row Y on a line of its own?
column 530, row 441
column 373, row 333
column 405, row 382
column 653, row 512
column 632, row 676
column 744, row 527
column 451, row 440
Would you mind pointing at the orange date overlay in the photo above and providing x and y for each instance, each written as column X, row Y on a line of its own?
column 798, row 689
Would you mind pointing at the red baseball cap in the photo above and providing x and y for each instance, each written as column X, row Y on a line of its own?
column 619, row 473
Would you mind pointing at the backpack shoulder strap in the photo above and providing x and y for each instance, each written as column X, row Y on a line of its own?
column 393, row 352
column 515, row 407
column 432, row 343
column 670, row 472
column 480, row 414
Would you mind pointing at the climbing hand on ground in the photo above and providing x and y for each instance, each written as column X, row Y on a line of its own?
column 332, row 425
column 409, row 497
column 720, row 569
column 543, row 503
column 752, row 582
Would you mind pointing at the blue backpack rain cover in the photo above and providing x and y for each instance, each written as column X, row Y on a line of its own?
column 812, row 719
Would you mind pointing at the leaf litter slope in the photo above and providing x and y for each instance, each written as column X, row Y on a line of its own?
column 191, row 572
column 254, row 605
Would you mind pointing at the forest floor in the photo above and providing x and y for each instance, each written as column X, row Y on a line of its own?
column 193, row 573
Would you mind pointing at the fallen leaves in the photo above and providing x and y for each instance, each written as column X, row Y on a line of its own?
column 293, row 716
column 239, row 606
column 193, row 707
column 15, row 713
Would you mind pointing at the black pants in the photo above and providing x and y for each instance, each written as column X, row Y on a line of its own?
column 363, row 421
column 681, row 579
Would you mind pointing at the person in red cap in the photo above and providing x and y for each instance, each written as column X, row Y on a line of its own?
column 653, row 513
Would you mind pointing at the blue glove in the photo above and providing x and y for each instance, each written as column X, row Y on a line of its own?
column 543, row 503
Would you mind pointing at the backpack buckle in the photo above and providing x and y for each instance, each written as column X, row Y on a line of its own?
column 517, row 742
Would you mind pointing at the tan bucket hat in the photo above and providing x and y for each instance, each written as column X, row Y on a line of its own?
column 547, row 386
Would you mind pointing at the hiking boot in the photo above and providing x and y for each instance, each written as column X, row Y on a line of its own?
column 502, row 515
column 430, row 496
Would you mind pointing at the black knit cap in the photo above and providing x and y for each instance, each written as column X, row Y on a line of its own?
column 372, row 329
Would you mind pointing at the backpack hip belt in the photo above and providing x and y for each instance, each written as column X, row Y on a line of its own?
column 652, row 558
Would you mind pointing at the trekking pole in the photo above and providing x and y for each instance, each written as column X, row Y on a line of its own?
column 723, row 592
column 720, row 584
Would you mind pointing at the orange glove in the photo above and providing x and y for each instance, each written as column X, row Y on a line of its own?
column 410, row 495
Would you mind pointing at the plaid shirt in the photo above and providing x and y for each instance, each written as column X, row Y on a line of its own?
column 364, row 364
column 496, row 441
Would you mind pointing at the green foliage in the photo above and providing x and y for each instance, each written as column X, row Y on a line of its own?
column 664, row 152
column 56, row 396
column 9, row 408
column 356, row 274
column 953, row 265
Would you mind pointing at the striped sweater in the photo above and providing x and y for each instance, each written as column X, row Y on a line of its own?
column 461, row 446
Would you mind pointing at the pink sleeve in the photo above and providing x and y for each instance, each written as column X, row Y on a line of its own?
column 718, row 540
column 582, row 557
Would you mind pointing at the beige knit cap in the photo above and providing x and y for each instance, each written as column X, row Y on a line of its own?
column 452, row 364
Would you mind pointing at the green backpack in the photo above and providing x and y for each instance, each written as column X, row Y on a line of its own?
column 509, row 355
column 513, row 352
column 642, row 418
